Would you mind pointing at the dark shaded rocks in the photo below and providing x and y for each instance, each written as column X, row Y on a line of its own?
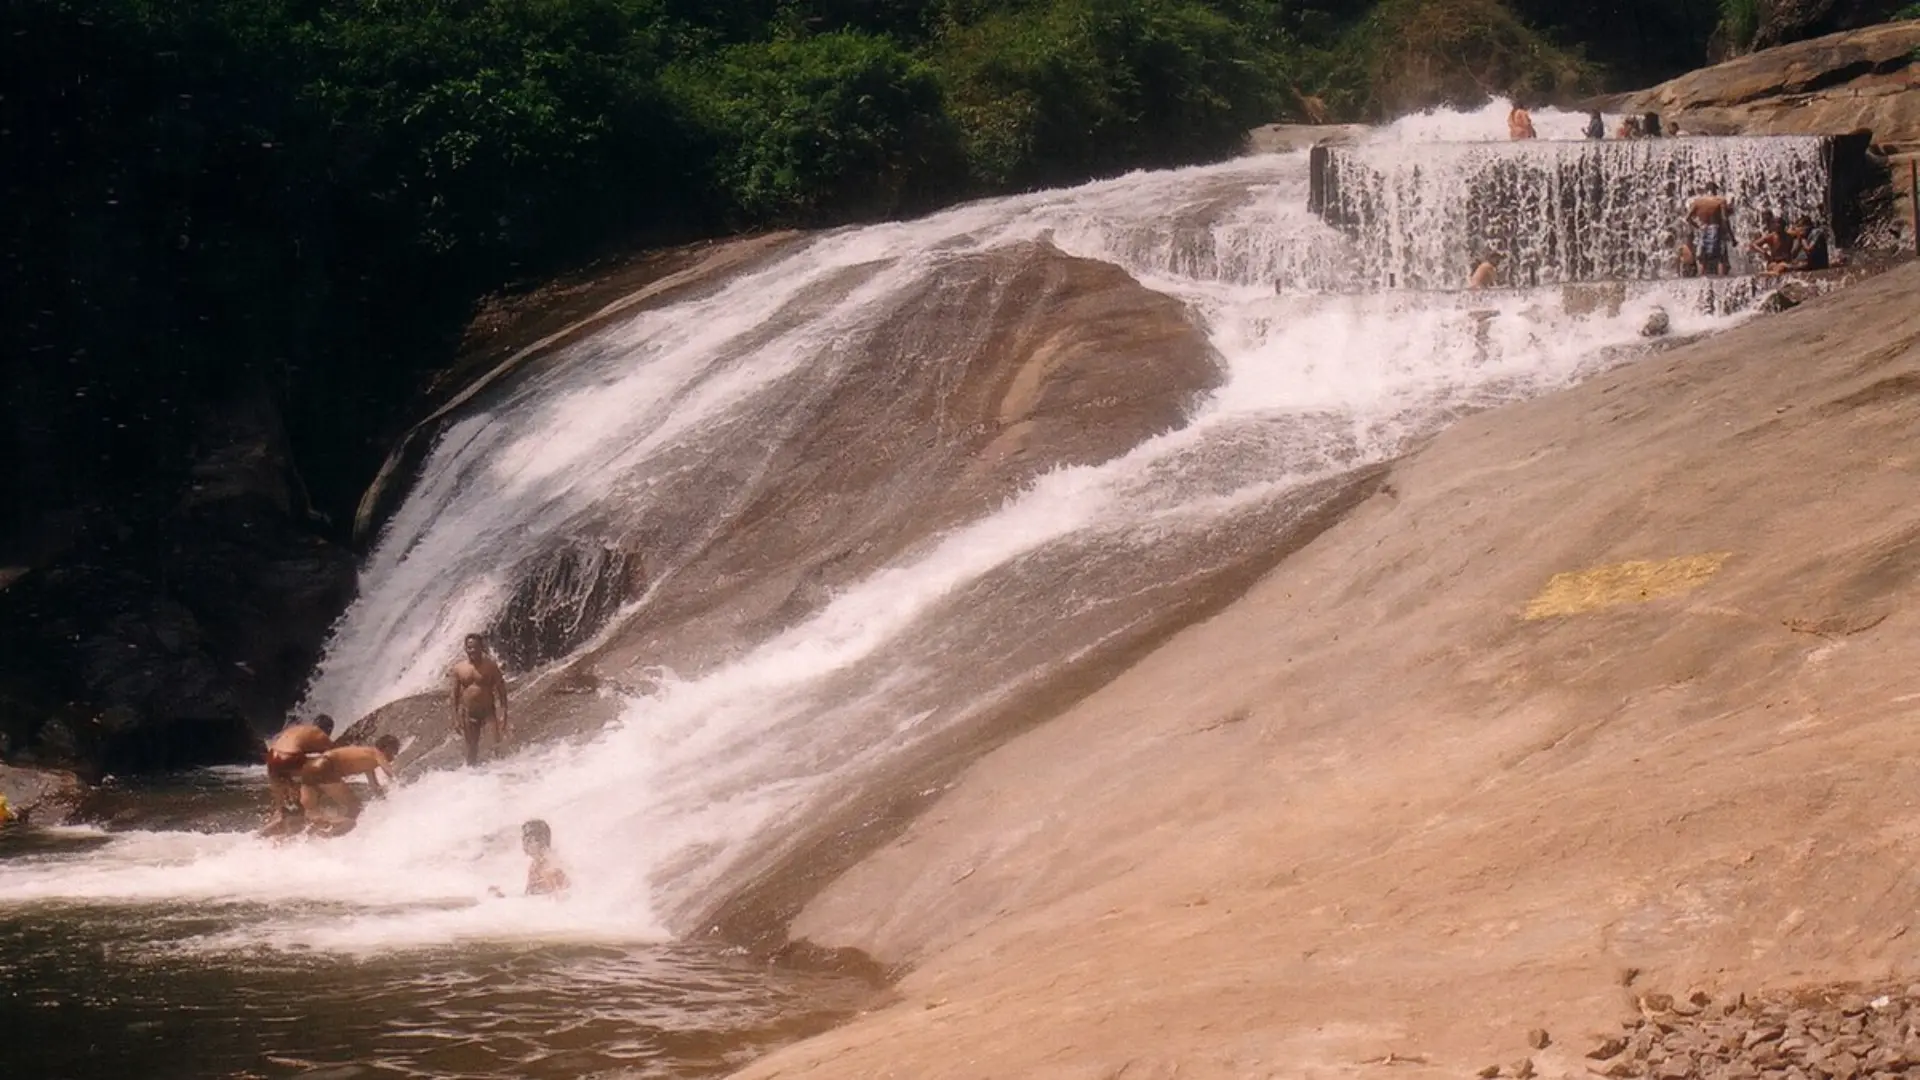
column 559, row 603
column 1538, row 1039
column 1784, row 21
column 163, row 638
column 1844, row 1033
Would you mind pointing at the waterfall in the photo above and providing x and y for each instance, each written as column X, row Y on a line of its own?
column 1421, row 214
column 570, row 503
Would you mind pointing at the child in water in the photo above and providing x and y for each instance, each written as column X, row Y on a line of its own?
column 544, row 875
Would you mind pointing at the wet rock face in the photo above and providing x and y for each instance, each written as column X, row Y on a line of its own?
column 1006, row 365
column 563, row 601
column 40, row 796
column 1841, row 1033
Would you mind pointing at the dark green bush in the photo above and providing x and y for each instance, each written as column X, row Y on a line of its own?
column 1078, row 87
column 819, row 128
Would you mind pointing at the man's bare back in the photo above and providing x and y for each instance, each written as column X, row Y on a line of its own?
column 1712, row 216
column 1708, row 210
column 287, row 753
column 479, row 694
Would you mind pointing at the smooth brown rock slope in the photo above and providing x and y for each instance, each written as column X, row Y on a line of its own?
column 1614, row 687
column 1008, row 364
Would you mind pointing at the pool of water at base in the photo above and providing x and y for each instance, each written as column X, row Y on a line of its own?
column 117, row 990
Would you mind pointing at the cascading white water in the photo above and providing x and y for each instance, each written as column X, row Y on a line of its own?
column 656, row 811
column 1560, row 211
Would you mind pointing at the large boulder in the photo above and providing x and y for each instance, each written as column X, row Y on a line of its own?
column 1010, row 363
column 1827, row 86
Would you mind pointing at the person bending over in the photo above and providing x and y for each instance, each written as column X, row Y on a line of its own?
column 479, row 695
column 327, row 800
column 287, row 753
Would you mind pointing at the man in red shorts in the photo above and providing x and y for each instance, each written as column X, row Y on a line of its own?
column 287, row 753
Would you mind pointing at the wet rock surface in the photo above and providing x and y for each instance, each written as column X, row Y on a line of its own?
column 41, row 796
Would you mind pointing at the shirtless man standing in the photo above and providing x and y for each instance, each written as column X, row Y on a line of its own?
column 479, row 694
column 287, row 753
column 1519, row 123
column 1712, row 215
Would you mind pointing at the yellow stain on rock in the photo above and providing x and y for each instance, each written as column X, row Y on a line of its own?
column 1578, row 591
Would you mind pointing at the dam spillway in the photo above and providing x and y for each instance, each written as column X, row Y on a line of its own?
column 1418, row 215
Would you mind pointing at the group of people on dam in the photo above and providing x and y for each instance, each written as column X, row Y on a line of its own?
column 1643, row 126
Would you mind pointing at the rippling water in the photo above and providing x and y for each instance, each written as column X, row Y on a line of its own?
column 159, row 990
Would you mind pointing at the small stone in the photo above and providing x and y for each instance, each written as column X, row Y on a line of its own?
column 1888, row 1058
column 1607, row 1048
column 1619, row 1070
column 1843, row 1066
column 1626, row 976
column 1700, row 998
column 1764, row 1034
column 1657, row 1002
column 1537, row 1038
column 1678, row 1068
column 1523, row 1069
column 1739, row 1070
column 1489, row 1072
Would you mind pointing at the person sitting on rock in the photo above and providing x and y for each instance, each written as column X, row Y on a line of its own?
column 1596, row 125
column 1519, row 123
column 287, row 754
column 1811, row 248
column 1683, row 259
column 544, row 875
column 1772, row 246
column 1488, row 269
column 1629, row 128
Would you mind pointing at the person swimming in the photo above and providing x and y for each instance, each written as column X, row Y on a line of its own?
column 544, row 874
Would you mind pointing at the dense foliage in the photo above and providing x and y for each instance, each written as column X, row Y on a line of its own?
column 301, row 198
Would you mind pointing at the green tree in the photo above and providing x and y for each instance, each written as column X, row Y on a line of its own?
column 820, row 128
column 1082, row 87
